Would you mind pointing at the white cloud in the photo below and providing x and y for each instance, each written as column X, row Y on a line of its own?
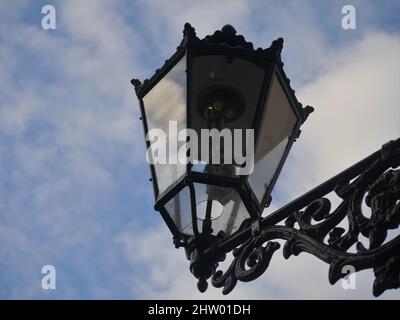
column 64, row 140
column 164, row 21
column 356, row 111
column 67, row 122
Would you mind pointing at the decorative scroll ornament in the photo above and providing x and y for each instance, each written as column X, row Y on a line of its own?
column 251, row 260
column 379, row 185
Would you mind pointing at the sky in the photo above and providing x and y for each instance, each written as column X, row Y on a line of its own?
column 74, row 182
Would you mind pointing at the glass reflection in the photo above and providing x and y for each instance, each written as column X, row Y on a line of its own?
column 227, row 214
column 277, row 126
column 165, row 102
column 225, row 92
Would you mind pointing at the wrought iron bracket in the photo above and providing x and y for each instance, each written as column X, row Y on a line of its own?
column 309, row 224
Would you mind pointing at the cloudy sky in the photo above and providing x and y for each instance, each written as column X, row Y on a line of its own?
column 74, row 189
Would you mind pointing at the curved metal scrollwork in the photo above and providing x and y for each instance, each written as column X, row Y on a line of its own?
column 378, row 186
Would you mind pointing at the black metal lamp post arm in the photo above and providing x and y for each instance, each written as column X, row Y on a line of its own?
column 373, row 179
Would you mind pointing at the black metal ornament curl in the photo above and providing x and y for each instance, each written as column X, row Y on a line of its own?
column 374, row 180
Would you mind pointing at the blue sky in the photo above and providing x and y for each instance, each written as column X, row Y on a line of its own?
column 74, row 189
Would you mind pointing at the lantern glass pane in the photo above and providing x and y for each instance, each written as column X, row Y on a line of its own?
column 278, row 122
column 179, row 209
column 233, row 211
column 226, row 208
column 224, row 95
column 165, row 109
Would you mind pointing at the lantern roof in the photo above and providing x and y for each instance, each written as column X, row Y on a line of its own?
column 226, row 41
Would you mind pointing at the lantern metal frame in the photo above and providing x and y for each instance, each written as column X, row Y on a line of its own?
column 223, row 42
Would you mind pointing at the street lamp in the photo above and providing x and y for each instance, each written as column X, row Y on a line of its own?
column 241, row 96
